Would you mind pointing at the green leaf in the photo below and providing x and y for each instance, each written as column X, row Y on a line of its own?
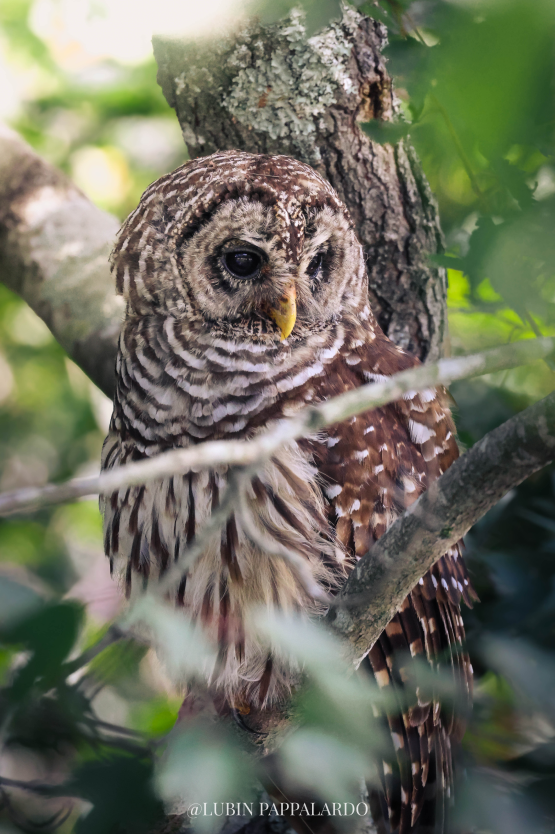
column 49, row 634
column 121, row 791
column 386, row 132
column 480, row 243
column 324, row 765
column 336, row 696
column 410, row 63
column 204, row 764
column 184, row 648
column 118, row 661
column 17, row 602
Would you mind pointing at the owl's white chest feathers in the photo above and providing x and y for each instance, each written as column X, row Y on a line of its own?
column 177, row 402
column 234, row 576
column 174, row 389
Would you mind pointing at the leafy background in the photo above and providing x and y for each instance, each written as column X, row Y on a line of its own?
column 475, row 82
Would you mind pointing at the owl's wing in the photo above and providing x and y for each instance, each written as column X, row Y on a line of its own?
column 374, row 466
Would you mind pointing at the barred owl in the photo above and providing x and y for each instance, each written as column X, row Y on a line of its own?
column 246, row 299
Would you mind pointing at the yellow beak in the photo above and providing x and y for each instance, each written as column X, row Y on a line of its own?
column 285, row 312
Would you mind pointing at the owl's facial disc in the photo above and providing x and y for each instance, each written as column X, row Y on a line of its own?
column 249, row 273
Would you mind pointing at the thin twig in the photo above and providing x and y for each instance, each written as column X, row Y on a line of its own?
column 34, row 786
column 416, row 30
column 217, row 453
column 461, row 151
column 113, row 635
column 117, row 729
column 529, row 318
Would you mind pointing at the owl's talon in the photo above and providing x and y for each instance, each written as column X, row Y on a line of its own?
column 243, row 707
column 240, row 721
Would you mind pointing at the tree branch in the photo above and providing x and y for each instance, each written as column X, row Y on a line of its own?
column 269, row 90
column 113, row 635
column 255, row 451
column 54, row 247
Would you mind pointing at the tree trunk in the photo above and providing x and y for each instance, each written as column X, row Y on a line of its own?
column 270, row 90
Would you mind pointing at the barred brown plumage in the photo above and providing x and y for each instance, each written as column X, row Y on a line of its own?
column 246, row 295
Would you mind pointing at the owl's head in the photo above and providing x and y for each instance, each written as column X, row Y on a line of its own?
column 249, row 245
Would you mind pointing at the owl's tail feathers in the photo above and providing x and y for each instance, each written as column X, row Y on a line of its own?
column 417, row 770
column 432, row 816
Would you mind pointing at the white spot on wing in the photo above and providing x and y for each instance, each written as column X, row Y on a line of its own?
column 333, row 491
column 329, row 353
column 419, row 433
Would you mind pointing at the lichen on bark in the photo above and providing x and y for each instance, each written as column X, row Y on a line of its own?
column 259, row 97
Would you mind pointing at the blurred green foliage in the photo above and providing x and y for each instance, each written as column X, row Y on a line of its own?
column 476, row 88
column 475, row 82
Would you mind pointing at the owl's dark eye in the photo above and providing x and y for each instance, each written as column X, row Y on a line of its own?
column 242, row 263
column 315, row 265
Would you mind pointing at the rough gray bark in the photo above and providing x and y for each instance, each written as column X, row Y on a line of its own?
column 54, row 247
column 270, row 90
